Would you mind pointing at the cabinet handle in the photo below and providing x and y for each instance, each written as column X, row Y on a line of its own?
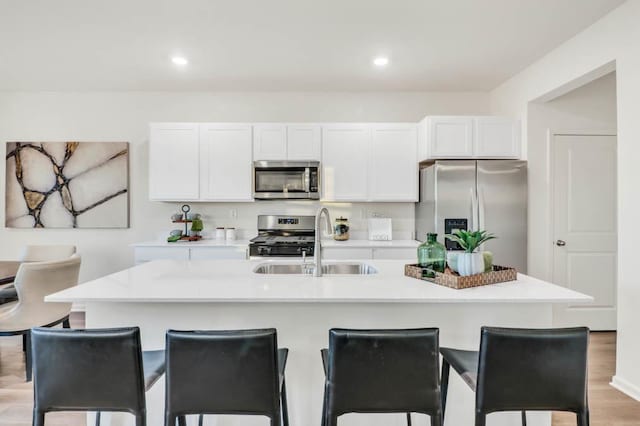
column 561, row 243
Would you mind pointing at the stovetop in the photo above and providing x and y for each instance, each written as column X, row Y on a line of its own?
column 282, row 239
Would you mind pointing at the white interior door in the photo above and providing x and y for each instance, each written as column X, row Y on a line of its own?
column 585, row 228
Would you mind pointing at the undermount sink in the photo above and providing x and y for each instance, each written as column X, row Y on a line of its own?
column 328, row 269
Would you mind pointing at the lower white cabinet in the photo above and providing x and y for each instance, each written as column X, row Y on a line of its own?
column 363, row 253
column 144, row 254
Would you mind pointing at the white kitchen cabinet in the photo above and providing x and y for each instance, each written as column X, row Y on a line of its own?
column 450, row 137
column 173, row 161
column 399, row 253
column 292, row 142
column 270, row 142
column 147, row 254
column 496, row 137
column 218, row 253
column 468, row 137
column 346, row 253
column 304, row 142
column 345, row 162
column 226, row 162
column 393, row 165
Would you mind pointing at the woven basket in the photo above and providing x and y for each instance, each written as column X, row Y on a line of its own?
column 500, row 274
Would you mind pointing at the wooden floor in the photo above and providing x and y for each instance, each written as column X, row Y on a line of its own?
column 608, row 406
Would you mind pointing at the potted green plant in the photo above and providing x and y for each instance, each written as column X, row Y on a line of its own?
column 471, row 261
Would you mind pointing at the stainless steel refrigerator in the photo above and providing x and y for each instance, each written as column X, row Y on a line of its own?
column 477, row 194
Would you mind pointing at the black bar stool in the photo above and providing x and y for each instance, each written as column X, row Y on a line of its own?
column 381, row 371
column 92, row 370
column 524, row 370
column 225, row 372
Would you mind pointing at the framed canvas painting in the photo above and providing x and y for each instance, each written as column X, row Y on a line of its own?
column 67, row 185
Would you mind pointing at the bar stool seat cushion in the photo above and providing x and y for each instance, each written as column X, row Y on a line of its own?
column 153, row 365
column 465, row 363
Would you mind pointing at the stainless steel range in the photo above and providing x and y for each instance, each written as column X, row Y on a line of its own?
column 283, row 236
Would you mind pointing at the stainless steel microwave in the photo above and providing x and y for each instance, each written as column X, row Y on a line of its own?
column 285, row 180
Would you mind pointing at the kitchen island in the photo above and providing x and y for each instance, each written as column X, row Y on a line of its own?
column 228, row 294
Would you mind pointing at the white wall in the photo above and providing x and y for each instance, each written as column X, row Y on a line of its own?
column 588, row 109
column 612, row 42
column 28, row 116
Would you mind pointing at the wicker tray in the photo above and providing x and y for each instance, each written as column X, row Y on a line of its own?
column 500, row 274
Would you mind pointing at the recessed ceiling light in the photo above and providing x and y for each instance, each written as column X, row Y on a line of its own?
column 381, row 61
column 179, row 60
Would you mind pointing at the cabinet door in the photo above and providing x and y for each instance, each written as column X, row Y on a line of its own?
column 173, row 161
column 497, row 137
column 225, row 162
column 345, row 154
column 400, row 253
column 342, row 253
column 450, row 137
column 218, row 253
column 303, row 142
column 393, row 163
column 269, row 142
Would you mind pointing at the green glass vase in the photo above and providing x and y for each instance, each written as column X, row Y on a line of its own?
column 432, row 255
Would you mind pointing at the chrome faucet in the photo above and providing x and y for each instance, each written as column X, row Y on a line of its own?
column 317, row 249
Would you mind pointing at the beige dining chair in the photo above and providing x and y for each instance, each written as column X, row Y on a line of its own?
column 37, row 253
column 33, row 282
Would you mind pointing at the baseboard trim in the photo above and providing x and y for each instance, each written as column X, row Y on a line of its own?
column 626, row 387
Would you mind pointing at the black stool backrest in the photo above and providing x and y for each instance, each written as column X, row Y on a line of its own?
column 383, row 371
column 88, row 370
column 522, row 369
column 222, row 372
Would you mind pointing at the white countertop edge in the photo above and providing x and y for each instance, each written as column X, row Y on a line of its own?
column 328, row 243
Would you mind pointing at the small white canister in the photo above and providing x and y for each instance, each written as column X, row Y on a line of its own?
column 231, row 234
column 220, row 236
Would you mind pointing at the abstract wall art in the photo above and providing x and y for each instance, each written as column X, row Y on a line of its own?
column 67, row 185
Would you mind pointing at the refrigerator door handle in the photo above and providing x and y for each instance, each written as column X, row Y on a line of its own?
column 480, row 208
column 473, row 226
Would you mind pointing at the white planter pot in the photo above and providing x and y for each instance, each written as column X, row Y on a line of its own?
column 470, row 264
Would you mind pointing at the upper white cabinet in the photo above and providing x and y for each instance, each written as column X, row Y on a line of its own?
column 173, row 156
column 369, row 162
column 496, row 137
column 345, row 162
column 452, row 137
column 393, row 163
column 304, row 142
column 286, row 142
column 225, row 162
column 270, row 142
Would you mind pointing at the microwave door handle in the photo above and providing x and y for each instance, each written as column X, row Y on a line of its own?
column 307, row 180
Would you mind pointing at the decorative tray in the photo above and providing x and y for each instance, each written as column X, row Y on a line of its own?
column 500, row 274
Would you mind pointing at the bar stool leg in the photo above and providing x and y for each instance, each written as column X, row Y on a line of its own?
column 408, row 419
column 480, row 419
column 200, row 419
column 38, row 417
column 444, row 384
column 141, row 419
column 524, row 418
column 28, row 356
column 182, row 421
column 285, row 408
column 583, row 418
column 436, row 420
column 66, row 323
column 98, row 418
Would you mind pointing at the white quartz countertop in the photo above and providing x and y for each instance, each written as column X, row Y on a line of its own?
column 215, row 281
column 245, row 243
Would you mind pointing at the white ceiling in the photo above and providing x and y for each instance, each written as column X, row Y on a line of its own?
column 314, row 45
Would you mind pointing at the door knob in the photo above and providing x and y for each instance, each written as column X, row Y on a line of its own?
column 561, row 243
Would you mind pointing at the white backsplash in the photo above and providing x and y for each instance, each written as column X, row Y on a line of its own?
column 243, row 216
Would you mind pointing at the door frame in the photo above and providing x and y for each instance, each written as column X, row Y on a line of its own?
column 550, row 176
